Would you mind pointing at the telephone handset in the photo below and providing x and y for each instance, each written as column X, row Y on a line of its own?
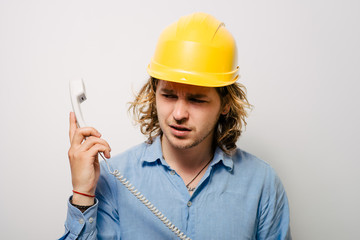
column 78, row 95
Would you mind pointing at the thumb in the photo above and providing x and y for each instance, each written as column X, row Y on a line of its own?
column 73, row 125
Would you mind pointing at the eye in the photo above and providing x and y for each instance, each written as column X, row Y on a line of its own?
column 197, row 100
column 170, row 96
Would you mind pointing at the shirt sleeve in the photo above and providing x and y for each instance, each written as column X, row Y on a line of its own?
column 80, row 225
column 100, row 221
column 274, row 219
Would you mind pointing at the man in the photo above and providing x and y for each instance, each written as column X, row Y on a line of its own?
column 192, row 111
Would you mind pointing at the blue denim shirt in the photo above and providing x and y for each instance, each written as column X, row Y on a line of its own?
column 239, row 197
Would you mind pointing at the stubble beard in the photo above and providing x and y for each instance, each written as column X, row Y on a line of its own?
column 195, row 143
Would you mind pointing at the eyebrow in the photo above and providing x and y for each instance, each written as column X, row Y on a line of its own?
column 165, row 90
column 195, row 95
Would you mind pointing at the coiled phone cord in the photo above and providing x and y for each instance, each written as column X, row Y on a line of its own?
column 146, row 202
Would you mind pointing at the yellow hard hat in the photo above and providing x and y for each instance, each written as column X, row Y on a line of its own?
column 196, row 50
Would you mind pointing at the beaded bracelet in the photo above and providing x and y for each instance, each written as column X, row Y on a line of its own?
column 81, row 208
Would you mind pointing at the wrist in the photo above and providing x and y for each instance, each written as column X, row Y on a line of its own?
column 81, row 199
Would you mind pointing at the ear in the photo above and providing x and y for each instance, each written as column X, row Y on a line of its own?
column 226, row 109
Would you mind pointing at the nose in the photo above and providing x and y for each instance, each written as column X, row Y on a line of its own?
column 180, row 111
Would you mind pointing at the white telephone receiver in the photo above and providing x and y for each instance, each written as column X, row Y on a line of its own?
column 78, row 95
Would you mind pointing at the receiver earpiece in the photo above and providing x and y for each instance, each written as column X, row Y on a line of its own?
column 78, row 95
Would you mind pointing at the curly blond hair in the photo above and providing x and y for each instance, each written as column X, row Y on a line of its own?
column 227, row 130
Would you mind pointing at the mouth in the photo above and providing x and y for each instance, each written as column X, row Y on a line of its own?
column 180, row 128
column 179, row 131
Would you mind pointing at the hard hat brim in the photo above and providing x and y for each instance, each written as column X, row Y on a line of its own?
column 161, row 72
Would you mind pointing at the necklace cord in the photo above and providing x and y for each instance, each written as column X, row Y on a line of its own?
column 187, row 185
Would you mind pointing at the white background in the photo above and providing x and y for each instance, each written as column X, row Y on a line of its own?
column 298, row 59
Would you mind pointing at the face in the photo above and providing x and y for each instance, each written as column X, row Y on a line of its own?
column 187, row 114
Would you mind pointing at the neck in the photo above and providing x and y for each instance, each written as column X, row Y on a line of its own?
column 190, row 163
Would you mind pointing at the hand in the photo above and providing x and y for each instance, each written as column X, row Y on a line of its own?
column 84, row 163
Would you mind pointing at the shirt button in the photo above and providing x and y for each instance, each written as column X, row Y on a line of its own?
column 189, row 204
column 81, row 221
column 172, row 172
column 91, row 220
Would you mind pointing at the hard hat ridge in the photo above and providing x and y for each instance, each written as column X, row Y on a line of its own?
column 198, row 25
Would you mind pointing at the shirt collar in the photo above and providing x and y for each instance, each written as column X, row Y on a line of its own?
column 153, row 153
column 221, row 157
